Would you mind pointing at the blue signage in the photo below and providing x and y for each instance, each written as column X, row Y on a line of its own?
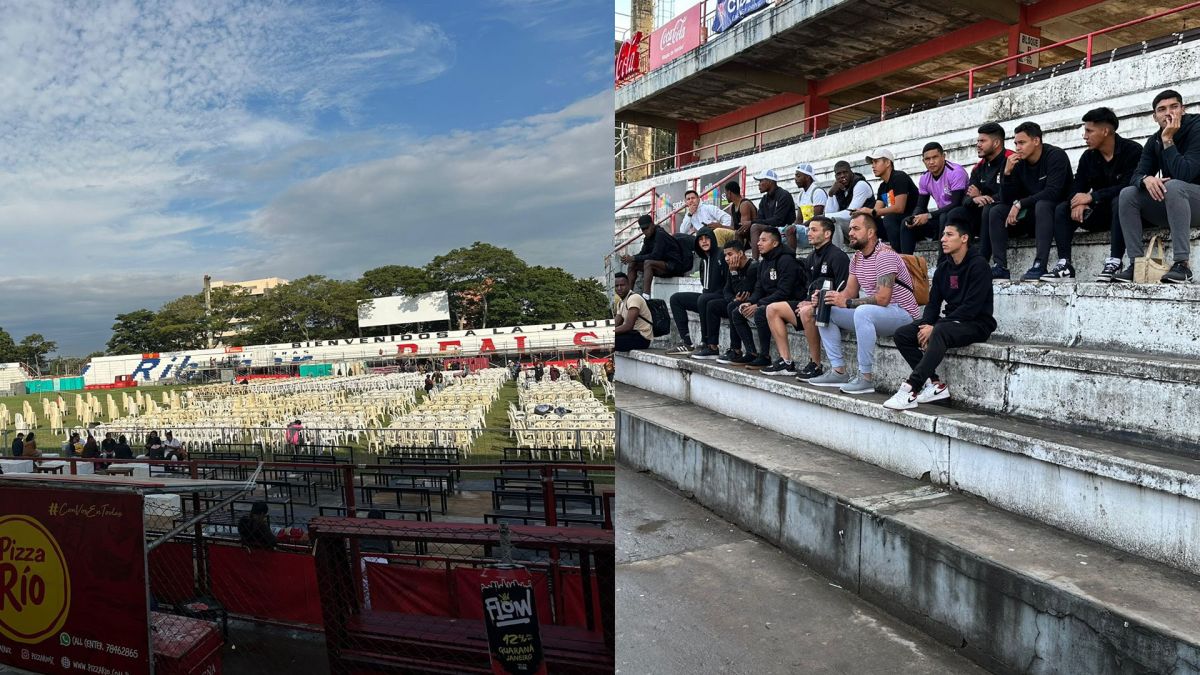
column 729, row 12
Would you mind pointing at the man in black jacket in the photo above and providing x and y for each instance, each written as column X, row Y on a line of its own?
column 1172, row 200
column 712, row 276
column 778, row 279
column 983, row 188
column 826, row 264
column 741, row 275
column 660, row 255
column 1037, row 178
column 964, row 283
column 776, row 208
column 1104, row 169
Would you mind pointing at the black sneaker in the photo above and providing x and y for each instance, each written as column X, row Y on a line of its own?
column 682, row 349
column 706, row 353
column 744, row 359
column 1111, row 267
column 810, row 371
column 1180, row 274
column 1060, row 272
column 1035, row 273
column 730, row 356
column 1125, row 276
column 780, row 367
column 999, row 272
column 759, row 363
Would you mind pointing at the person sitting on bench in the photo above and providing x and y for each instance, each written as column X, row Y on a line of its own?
column 964, row 283
column 254, row 530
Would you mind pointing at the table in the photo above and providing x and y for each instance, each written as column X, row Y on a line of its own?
column 16, row 465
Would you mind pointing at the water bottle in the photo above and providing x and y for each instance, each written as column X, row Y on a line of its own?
column 822, row 306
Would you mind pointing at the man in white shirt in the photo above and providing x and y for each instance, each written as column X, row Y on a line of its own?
column 810, row 202
column 697, row 214
column 850, row 191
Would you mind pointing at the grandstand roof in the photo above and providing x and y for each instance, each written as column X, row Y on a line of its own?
column 849, row 51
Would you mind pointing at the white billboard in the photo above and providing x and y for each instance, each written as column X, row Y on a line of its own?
column 404, row 309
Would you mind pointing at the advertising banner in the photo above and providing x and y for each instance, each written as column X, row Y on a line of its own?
column 404, row 309
column 629, row 59
column 729, row 12
column 510, row 615
column 73, row 582
column 676, row 37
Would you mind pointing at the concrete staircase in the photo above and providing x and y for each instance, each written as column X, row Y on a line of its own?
column 1074, row 427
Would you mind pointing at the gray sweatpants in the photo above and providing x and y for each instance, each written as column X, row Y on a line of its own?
column 867, row 322
column 1180, row 211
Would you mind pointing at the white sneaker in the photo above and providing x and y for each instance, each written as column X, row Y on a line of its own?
column 933, row 391
column 904, row 399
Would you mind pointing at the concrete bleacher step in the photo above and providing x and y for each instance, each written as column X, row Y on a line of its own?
column 1133, row 497
column 1141, row 398
column 1089, row 250
column 1013, row 594
column 1137, row 319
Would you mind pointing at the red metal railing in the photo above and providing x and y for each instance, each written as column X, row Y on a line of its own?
column 740, row 172
column 969, row 73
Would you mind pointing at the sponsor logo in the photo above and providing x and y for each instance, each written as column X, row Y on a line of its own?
column 676, row 33
column 35, row 585
column 729, row 12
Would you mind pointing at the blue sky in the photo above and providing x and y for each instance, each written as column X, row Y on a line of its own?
column 145, row 144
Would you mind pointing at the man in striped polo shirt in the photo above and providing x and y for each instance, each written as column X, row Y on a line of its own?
column 877, row 301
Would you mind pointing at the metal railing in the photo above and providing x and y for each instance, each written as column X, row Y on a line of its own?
column 882, row 99
column 739, row 172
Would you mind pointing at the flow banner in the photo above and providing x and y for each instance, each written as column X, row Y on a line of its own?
column 510, row 614
column 729, row 12
column 73, row 582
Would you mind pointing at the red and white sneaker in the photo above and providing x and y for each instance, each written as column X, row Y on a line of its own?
column 904, row 399
column 933, row 391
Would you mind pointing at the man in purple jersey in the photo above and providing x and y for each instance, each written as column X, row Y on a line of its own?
column 945, row 184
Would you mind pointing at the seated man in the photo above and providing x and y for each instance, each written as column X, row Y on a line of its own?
column 1036, row 179
column 1172, row 200
column 1104, row 169
column 776, row 208
column 946, row 184
column 742, row 213
column 712, row 276
column 741, row 274
column 983, row 188
column 826, row 264
column 634, row 329
column 173, row 448
column 810, row 203
column 254, row 530
column 698, row 214
column 895, row 200
column 778, row 280
column 877, row 301
column 660, row 255
column 851, row 191
column 964, row 283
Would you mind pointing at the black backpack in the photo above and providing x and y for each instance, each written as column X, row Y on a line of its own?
column 660, row 317
column 687, row 251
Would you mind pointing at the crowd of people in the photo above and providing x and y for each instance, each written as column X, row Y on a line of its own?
column 112, row 446
column 751, row 275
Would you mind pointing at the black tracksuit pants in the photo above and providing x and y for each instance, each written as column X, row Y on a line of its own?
column 682, row 303
column 946, row 334
column 741, row 324
column 1103, row 217
column 710, row 318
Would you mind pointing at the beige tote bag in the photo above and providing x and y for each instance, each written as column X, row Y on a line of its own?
column 1150, row 268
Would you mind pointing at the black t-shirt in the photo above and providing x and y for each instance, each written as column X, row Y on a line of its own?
column 898, row 184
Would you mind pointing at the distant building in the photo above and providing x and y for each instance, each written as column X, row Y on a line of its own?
column 254, row 286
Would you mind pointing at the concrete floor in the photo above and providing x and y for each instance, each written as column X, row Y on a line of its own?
column 695, row 594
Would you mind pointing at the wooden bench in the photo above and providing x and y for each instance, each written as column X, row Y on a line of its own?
column 333, row 474
column 405, row 483
column 526, row 507
column 117, row 470
column 380, row 639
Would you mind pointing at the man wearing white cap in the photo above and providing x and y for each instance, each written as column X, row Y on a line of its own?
column 810, row 203
column 776, row 208
column 895, row 200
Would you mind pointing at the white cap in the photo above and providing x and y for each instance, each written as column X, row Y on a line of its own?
column 806, row 169
column 881, row 153
column 769, row 174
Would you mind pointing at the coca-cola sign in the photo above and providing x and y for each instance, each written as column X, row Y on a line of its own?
column 676, row 37
column 729, row 12
column 629, row 59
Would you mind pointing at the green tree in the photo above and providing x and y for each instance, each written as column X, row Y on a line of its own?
column 548, row 295
column 33, row 350
column 133, row 333
column 309, row 308
column 473, row 276
column 389, row 280
column 8, row 348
